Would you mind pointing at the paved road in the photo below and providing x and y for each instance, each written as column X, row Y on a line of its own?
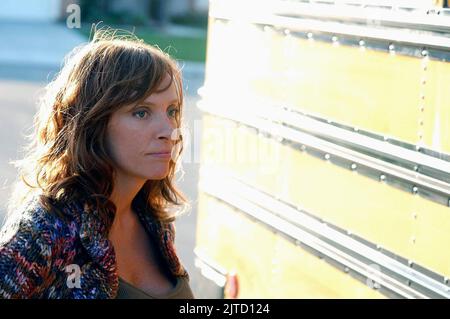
column 24, row 72
column 17, row 108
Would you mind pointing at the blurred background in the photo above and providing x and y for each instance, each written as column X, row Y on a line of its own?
column 37, row 34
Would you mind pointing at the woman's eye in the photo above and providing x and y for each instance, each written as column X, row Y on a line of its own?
column 141, row 114
column 173, row 112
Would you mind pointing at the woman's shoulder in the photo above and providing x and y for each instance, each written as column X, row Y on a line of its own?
column 30, row 242
column 35, row 221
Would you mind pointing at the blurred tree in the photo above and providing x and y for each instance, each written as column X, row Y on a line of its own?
column 135, row 12
column 192, row 6
column 94, row 9
column 159, row 12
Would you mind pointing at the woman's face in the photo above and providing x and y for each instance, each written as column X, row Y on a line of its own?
column 139, row 136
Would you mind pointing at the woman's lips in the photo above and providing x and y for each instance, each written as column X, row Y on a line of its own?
column 161, row 155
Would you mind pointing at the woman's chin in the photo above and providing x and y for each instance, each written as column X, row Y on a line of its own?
column 158, row 176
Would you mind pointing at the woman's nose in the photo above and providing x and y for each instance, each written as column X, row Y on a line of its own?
column 166, row 127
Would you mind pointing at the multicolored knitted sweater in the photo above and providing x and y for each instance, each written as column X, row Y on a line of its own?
column 51, row 258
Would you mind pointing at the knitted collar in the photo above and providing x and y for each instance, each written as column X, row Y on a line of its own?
column 94, row 237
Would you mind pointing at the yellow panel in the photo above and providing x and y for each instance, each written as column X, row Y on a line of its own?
column 362, row 88
column 268, row 266
column 300, row 274
column 373, row 210
column 231, row 58
column 432, row 236
column 403, row 97
column 368, row 89
column 236, row 245
column 436, row 106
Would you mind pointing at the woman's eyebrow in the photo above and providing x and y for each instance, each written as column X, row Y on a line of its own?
column 153, row 104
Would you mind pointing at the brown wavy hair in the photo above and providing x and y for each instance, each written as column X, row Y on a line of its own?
column 67, row 158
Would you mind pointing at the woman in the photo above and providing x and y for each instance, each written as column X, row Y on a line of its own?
column 91, row 216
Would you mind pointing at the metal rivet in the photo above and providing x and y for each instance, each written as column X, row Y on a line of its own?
column 418, row 148
column 379, row 247
column 346, row 269
column 334, row 38
column 415, row 189
column 422, row 96
column 420, row 122
column 287, row 32
column 382, row 177
column 327, row 156
column 446, row 281
column 303, row 148
column 413, row 240
column 361, row 43
column 416, row 168
column 355, row 129
column 424, row 81
column 385, row 138
column 422, row 108
column 391, row 47
column 349, row 233
column 424, row 67
column 424, row 52
column 408, row 282
column 309, row 35
column 414, row 215
column 354, row 166
column 420, row 136
column 410, row 263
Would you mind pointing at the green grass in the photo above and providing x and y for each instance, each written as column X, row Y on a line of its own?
column 189, row 49
column 180, row 48
column 194, row 20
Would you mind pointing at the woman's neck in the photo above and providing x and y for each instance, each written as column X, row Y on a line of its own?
column 125, row 190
